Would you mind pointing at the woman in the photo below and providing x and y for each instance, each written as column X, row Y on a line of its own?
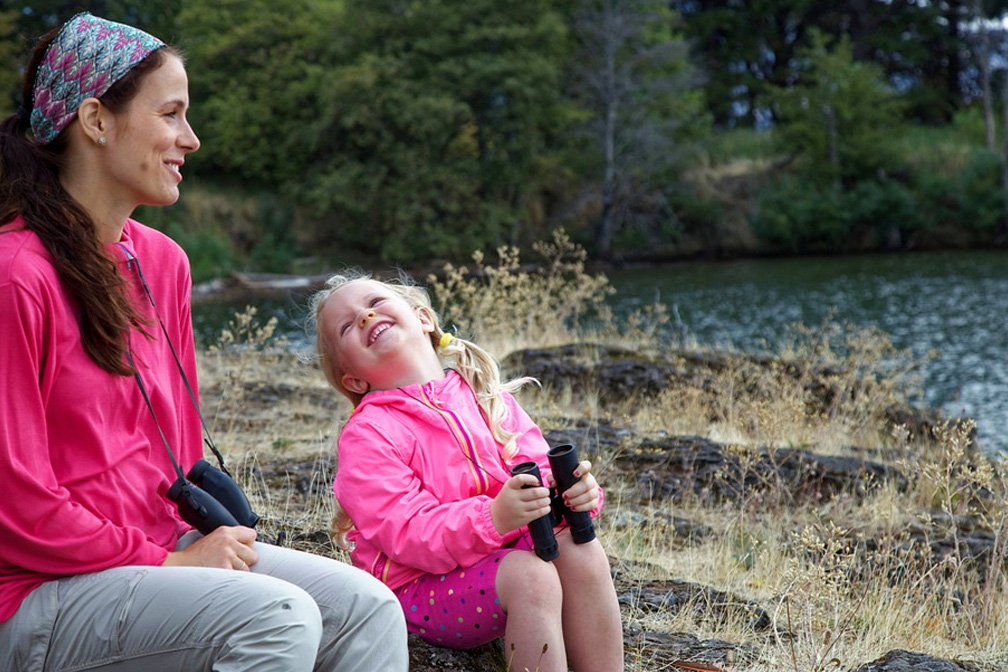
column 97, row 569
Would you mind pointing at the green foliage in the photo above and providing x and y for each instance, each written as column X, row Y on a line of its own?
column 398, row 164
column 971, row 197
column 210, row 254
column 416, row 130
column 748, row 48
column 419, row 127
column 798, row 215
column 740, row 143
column 838, row 117
column 256, row 69
column 276, row 249
column 795, row 214
column 978, row 192
column 10, row 78
column 883, row 205
column 642, row 117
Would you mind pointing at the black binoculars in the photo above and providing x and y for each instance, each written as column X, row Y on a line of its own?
column 541, row 529
column 563, row 461
column 209, row 498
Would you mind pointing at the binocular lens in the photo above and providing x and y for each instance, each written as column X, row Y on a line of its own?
column 225, row 490
column 209, row 498
column 198, row 508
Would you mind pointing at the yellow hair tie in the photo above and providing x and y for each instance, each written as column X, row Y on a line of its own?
column 445, row 340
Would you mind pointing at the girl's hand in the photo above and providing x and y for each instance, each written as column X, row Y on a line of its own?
column 584, row 494
column 225, row 547
column 516, row 506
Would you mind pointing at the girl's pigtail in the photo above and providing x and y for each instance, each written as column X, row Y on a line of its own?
column 341, row 523
column 482, row 371
column 340, row 526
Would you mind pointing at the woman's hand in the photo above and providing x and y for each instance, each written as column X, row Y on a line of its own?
column 225, row 547
column 584, row 494
column 516, row 506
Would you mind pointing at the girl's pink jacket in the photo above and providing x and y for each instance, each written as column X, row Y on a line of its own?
column 417, row 470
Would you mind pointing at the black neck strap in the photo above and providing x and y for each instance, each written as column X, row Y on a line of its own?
column 130, row 262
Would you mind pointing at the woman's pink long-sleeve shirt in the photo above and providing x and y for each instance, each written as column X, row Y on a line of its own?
column 417, row 470
column 83, row 470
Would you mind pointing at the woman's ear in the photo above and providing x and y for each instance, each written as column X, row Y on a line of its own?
column 353, row 384
column 93, row 119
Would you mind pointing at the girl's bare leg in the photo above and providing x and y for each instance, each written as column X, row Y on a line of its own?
column 592, row 627
column 530, row 593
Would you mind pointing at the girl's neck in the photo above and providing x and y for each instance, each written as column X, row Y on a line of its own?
column 415, row 373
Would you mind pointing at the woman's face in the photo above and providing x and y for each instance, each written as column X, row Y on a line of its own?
column 148, row 141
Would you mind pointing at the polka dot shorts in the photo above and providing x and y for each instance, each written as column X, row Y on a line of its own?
column 459, row 609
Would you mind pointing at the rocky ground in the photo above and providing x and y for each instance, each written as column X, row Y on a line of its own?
column 652, row 467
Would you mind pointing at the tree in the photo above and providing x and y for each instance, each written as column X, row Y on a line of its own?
column 744, row 48
column 839, row 115
column 636, row 84
column 255, row 78
column 22, row 22
column 10, row 77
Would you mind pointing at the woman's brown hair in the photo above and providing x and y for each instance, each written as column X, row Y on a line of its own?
column 30, row 186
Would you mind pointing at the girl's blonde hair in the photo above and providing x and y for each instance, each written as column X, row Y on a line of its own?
column 476, row 366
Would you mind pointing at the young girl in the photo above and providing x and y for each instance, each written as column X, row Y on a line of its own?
column 427, row 498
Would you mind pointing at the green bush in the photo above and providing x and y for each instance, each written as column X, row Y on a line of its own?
column 796, row 215
column 211, row 255
column 883, row 205
column 978, row 194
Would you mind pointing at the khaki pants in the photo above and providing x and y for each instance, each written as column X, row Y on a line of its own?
column 292, row 612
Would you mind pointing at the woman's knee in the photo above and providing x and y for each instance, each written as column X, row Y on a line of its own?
column 378, row 603
column 284, row 612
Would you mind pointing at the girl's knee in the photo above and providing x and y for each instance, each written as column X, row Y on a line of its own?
column 523, row 576
column 583, row 562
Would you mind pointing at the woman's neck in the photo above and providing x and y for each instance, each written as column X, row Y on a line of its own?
column 87, row 189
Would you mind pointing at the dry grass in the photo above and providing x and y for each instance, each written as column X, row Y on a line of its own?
column 841, row 579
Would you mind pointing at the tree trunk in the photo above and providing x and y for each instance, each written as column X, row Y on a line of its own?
column 1004, row 154
column 604, row 233
column 984, row 58
column 834, row 150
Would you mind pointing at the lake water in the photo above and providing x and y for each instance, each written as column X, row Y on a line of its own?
column 953, row 303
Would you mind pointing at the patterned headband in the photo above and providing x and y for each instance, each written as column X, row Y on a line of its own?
column 89, row 55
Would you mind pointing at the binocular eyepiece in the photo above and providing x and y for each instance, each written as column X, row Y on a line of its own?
column 563, row 461
column 209, row 498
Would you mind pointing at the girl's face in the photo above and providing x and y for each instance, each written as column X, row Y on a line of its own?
column 149, row 140
column 376, row 339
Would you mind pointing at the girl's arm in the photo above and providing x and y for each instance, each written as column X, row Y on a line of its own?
column 394, row 511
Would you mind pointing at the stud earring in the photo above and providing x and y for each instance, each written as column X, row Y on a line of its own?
column 101, row 141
